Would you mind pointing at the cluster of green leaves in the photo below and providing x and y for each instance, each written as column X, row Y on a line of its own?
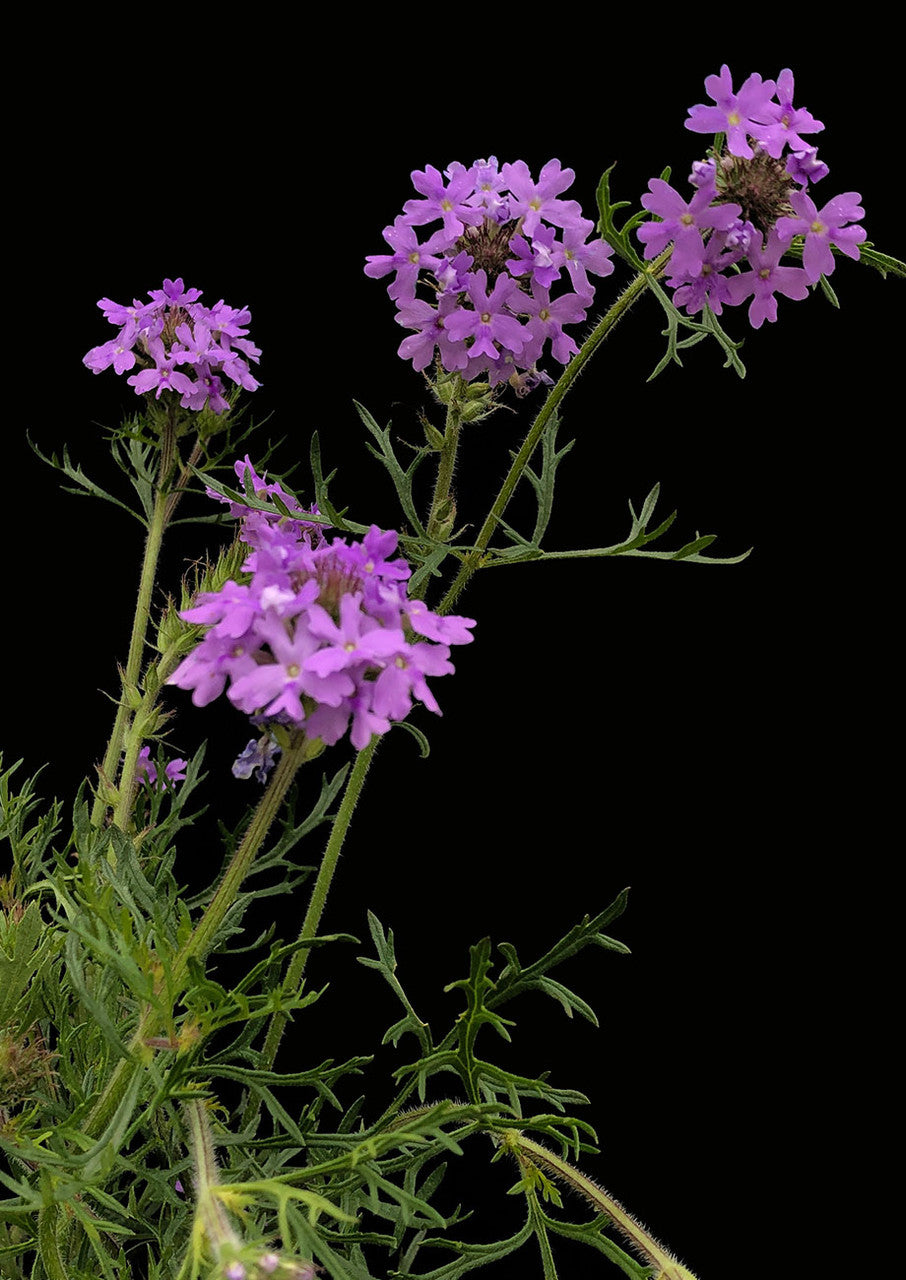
column 428, row 556
column 92, row 922
column 135, row 450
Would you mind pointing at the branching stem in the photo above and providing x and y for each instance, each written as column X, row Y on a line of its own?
column 627, row 299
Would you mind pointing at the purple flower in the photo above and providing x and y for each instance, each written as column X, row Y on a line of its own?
column 163, row 376
column 709, row 285
column 805, row 167
column 117, row 352
column 490, row 189
column 682, row 223
column 446, row 202
column 548, row 318
column 535, row 257
column 766, row 279
column 787, row 123
column 735, row 114
column 579, row 256
column 258, row 757
column 430, row 333
column 408, row 258
column 533, row 201
column 146, row 771
column 491, row 320
column 821, row 229
column 704, row 174
column 174, row 294
column 140, row 315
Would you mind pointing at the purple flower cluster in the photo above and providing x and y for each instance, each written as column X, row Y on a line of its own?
column 749, row 203
column 183, row 346
column 322, row 634
column 487, row 273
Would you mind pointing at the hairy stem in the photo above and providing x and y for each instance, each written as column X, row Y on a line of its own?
column 439, row 519
column 209, row 1210
column 529, row 1152
column 158, row 524
column 316, row 905
column 544, row 1244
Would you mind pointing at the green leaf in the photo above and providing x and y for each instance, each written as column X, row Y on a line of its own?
column 882, row 262
column 639, row 536
column 386, row 965
column 26, row 947
column 402, row 480
column 828, row 292
column 82, row 485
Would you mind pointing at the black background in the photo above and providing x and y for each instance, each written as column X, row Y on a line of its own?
column 701, row 734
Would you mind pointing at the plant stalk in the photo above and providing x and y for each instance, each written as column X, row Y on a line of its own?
column 439, row 518
column 316, row 905
column 130, row 676
column 527, row 1150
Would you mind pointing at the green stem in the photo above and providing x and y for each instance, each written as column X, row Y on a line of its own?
column 316, row 904
column 296, row 754
column 49, row 1242
column 667, row 1267
column 540, row 1230
column 627, row 298
column 158, row 524
column 185, row 475
column 209, row 1210
column 439, row 520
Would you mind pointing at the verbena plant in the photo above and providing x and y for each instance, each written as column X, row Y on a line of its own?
column 117, row 1045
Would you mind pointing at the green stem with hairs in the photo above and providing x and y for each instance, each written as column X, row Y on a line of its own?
column 316, row 905
column 160, row 514
column 439, row 520
column 540, row 1230
column 49, row 1227
column 527, row 1151
column 209, row 1211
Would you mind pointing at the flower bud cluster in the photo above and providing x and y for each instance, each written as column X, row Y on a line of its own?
column 488, row 273
column 321, row 635
column 750, row 202
column 183, row 346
